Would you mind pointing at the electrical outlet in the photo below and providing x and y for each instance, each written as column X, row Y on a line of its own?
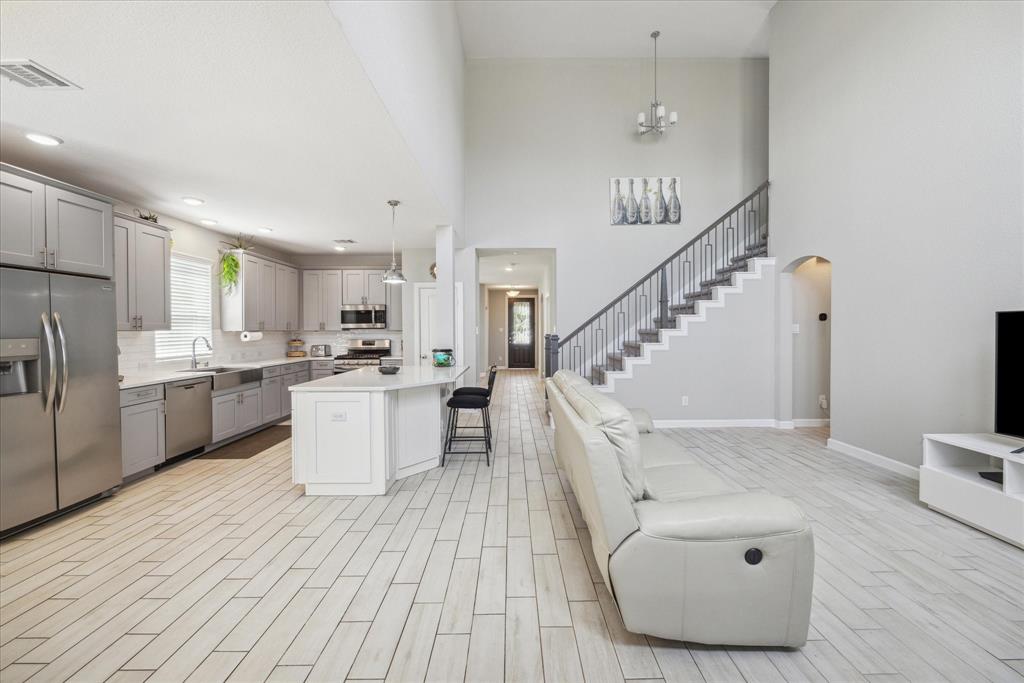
column 823, row 402
column 686, row 401
column 796, row 328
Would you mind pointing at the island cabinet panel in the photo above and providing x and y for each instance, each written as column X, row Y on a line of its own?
column 417, row 429
column 342, row 420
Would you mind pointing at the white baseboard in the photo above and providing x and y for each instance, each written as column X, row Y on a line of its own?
column 784, row 424
column 682, row 424
column 873, row 458
column 811, row 422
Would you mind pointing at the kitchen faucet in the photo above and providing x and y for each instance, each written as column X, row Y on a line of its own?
column 195, row 364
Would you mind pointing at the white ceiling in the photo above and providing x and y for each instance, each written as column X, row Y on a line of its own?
column 527, row 29
column 260, row 108
column 529, row 267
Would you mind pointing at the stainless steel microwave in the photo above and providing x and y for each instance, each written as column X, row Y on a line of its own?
column 364, row 317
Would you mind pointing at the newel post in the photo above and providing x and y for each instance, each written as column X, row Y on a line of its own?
column 550, row 354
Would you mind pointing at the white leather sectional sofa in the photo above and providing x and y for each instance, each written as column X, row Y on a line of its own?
column 685, row 554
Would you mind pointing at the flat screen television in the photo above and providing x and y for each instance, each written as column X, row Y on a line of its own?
column 1010, row 373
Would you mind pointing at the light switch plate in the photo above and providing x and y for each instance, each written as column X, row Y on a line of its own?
column 686, row 401
column 796, row 328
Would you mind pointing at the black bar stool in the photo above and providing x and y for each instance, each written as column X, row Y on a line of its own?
column 470, row 398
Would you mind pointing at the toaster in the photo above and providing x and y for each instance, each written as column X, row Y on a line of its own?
column 320, row 350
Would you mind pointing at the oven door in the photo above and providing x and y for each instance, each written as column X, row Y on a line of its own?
column 363, row 317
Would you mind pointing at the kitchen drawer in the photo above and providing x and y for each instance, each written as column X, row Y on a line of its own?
column 322, row 364
column 130, row 397
column 274, row 371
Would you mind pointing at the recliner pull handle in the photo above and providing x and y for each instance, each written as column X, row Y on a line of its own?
column 753, row 556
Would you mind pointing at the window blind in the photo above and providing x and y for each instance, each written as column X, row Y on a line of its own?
column 191, row 308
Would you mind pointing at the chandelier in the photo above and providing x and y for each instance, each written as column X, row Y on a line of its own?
column 658, row 122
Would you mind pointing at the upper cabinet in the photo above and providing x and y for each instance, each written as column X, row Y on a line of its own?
column 266, row 297
column 321, row 299
column 46, row 224
column 364, row 287
column 142, row 273
column 286, row 281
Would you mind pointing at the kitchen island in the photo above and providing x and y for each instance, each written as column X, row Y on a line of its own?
column 357, row 432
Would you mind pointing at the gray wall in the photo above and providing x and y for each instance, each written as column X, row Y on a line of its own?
column 724, row 365
column 811, row 286
column 543, row 137
column 896, row 154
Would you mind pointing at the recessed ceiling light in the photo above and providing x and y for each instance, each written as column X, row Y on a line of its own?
column 510, row 267
column 208, row 221
column 193, row 201
column 41, row 139
column 266, row 230
column 338, row 247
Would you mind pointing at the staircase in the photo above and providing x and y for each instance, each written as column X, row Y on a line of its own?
column 714, row 259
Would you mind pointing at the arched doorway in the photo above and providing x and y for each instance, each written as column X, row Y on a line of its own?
column 805, row 348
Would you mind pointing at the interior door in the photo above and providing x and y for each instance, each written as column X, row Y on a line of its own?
column 88, row 424
column 22, row 221
column 79, row 233
column 426, row 321
column 522, row 335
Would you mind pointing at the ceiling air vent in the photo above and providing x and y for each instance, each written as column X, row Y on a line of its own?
column 345, row 241
column 32, row 75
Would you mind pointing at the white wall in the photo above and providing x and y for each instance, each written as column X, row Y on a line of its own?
column 412, row 53
column 896, row 153
column 543, row 137
column 811, row 286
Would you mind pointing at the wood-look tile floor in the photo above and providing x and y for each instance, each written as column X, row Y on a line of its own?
column 222, row 570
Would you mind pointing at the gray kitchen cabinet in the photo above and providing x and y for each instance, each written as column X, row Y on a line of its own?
column 79, row 233
column 364, row 287
column 22, row 221
column 394, row 299
column 142, row 272
column 320, row 374
column 236, row 412
column 265, row 298
column 268, row 296
column 286, row 288
column 270, row 399
column 225, row 416
column 143, row 438
column 321, row 299
column 354, row 291
column 49, row 225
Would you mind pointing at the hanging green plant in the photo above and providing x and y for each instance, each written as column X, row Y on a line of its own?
column 230, row 265
column 230, row 268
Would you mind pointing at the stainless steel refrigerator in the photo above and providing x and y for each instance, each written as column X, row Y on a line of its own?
column 60, row 440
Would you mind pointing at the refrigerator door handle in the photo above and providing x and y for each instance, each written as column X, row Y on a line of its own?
column 52, row 352
column 64, row 362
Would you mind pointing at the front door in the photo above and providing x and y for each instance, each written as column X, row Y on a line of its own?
column 521, row 334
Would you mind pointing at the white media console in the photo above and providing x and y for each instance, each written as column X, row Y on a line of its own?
column 950, row 482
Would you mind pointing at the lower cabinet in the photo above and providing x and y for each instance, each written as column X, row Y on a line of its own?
column 270, row 399
column 320, row 374
column 235, row 413
column 142, row 437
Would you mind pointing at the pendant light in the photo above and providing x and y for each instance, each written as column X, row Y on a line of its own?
column 393, row 276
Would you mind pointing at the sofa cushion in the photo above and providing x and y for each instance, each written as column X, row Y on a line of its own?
column 659, row 449
column 677, row 482
column 644, row 423
column 612, row 418
column 564, row 379
column 721, row 517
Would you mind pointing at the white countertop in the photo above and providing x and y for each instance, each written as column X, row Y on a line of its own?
column 370, row 379
column 144, row 379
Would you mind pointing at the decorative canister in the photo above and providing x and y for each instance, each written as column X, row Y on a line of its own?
column 443, row 358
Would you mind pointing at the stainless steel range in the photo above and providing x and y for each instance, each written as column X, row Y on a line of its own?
column 362, row 352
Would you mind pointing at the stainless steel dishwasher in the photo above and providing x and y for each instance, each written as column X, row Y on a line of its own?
column 189, row 415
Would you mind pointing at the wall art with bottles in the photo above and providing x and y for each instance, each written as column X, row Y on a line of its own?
column 645, row 201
